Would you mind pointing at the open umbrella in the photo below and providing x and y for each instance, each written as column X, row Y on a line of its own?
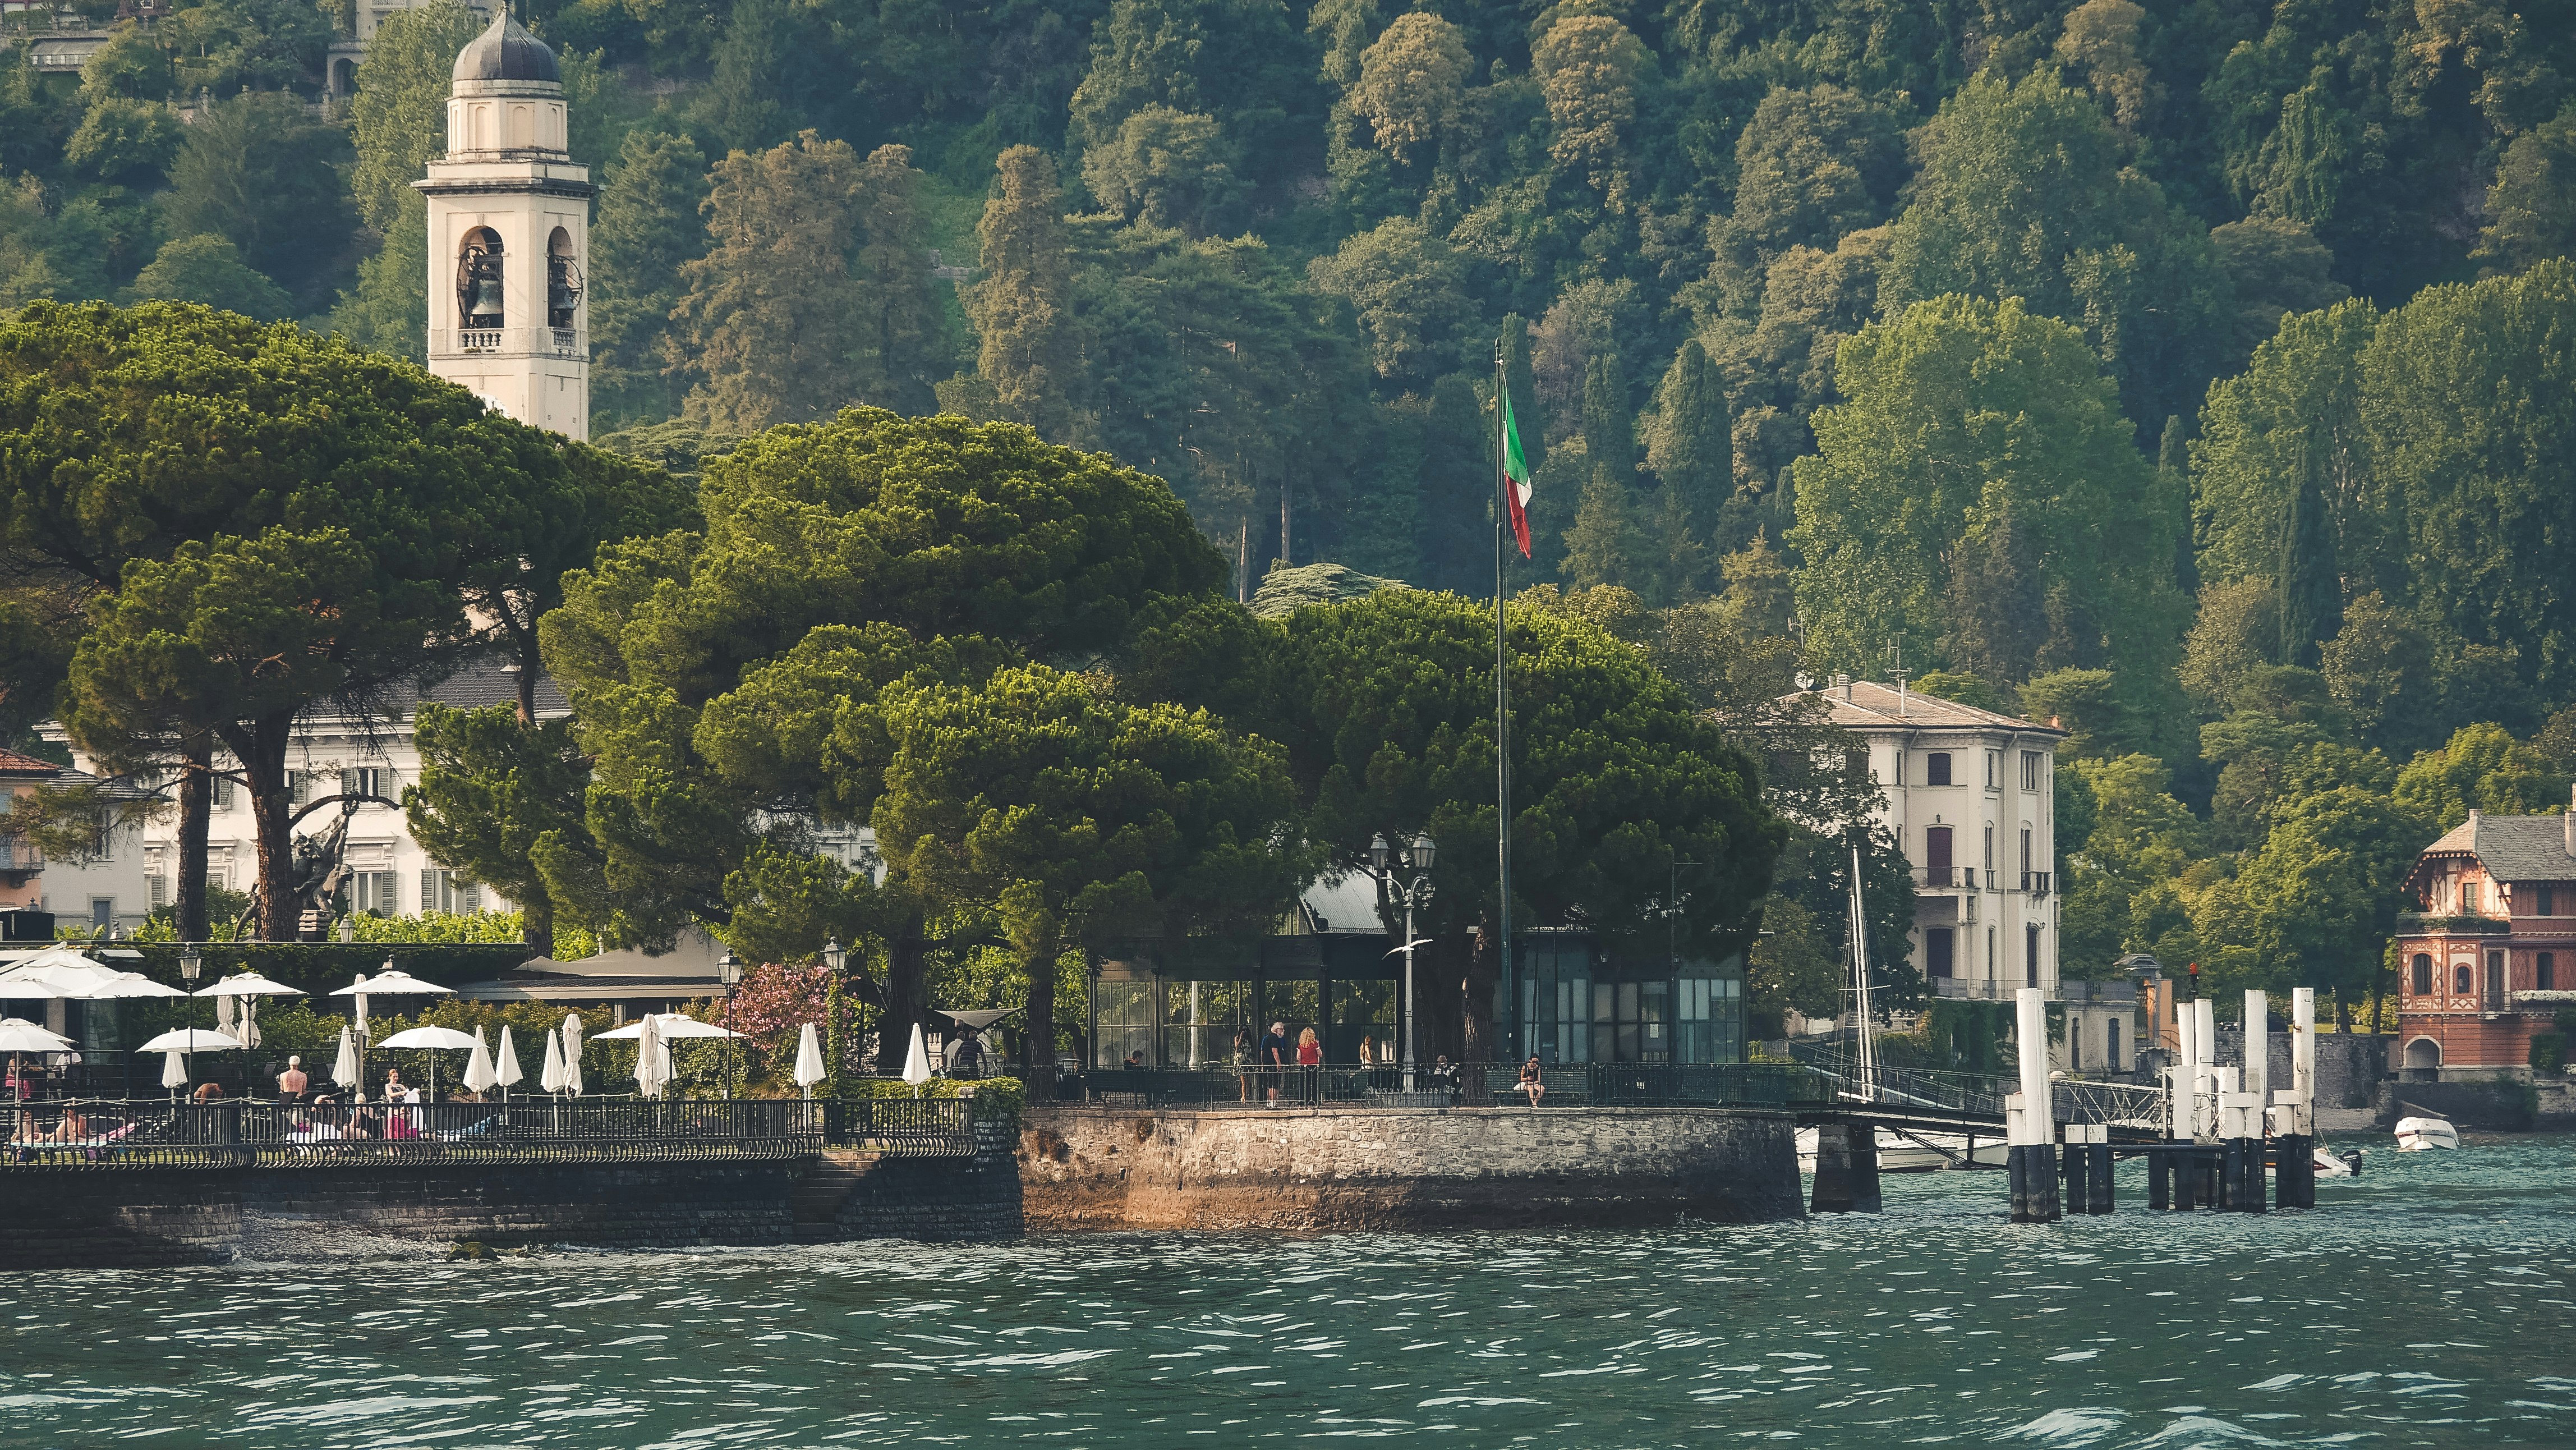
column 669, row 1026
column 650, row 1074
column 20, row 1035
column 126, row 985
column 440, row 1039
column 572, row 1053
column 478, row 1068
column 809, row 1059
column 506, row 1071
column 550, row 1077
column 393, row 981
column 247, row 984
column 191, row 1039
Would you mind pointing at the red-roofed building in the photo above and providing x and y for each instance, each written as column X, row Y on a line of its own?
column 2489, row 954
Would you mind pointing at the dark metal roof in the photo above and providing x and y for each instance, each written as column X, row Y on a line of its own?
column 506, row 52
column 2512, row 848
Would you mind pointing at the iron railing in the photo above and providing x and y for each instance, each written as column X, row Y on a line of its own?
column 2071, row 1100
column 902, row 1127
column 1624, row 1084
column 144, row 1134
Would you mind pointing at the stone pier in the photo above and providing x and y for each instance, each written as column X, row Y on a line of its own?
column 1306, row 1170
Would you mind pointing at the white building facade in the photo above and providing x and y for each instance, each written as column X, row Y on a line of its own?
column 1970, row 796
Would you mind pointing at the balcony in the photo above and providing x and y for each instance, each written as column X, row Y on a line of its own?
column 1947, row 878
column 20, row 859
column 2037, row 883
column 2425, row 923
column 1964, row 989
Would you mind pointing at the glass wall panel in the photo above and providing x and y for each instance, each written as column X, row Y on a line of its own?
column 1200, row 1020
column 1292, row 1002
column 1124, row 1014
column 1362, row 1009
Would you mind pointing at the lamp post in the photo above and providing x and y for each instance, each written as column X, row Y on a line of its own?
column 191, row 964
column 729, row 971
column 1417, row 858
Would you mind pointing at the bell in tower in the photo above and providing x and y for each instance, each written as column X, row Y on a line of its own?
column 478, row 282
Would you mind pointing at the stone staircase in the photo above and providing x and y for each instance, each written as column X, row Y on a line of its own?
column 819, row 1195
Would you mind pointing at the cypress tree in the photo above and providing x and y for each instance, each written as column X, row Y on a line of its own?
column 1609, row 429
column 1690, row 442
column 1022, row 307
column 1606, row 546
column 2311, row 584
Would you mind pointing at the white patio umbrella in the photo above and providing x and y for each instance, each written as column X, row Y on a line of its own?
column 436, row 1039
column 245, row 984
column 650, row 1074
column 669, row 1026
column 393, row 981
column 174, row 1072
column 809, row 1059
column 506, row 1071
column 550, row 1077
column 17, row 1034
column 191, row 1039
column 478, row 1067
column 572, row 1053
column 122, row 986
column 916, row 1063
column 344, row 1069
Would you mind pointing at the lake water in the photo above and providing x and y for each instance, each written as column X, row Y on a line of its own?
column 2428, row 1304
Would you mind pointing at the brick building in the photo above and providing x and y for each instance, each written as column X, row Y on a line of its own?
column 2489, row 954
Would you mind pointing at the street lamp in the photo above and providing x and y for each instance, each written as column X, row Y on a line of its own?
column 835, row 956
column 728, row 971
column 1416, row 893
column 191, row 964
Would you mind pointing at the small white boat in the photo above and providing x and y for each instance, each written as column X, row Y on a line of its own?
column 2330, row 1166
column 2417, row 1135
column 1904, row 1152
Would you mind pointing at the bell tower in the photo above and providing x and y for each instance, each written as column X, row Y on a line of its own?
column 509, row 237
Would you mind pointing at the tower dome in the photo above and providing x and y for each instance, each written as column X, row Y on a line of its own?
column 506, row 52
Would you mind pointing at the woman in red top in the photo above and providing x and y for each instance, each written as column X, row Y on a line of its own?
column 1310, row 1055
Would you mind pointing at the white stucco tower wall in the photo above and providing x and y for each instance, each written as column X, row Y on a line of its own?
column 508, row 191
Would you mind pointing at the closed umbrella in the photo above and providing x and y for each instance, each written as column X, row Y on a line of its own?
column 916, row 1063
column 550, row 1077
column 649, row 1073
column 809, row 1059
column 478, row 1068
column 344, row 1068
column 572, row 1053
column 174, row 1071
column 506, row 1072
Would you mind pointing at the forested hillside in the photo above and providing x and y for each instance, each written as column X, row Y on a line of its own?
column 1946, row 335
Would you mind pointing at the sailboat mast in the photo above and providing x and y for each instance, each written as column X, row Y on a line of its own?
column 1860, row 984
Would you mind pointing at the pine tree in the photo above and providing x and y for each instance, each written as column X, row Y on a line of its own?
column 1021, row 307
column 1689, row 444
column 772, row 314
column 648, row 231
column 904, row 331
column 1761, row 592
column 1606, row 546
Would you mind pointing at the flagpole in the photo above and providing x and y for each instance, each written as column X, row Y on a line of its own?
column 1502, row 716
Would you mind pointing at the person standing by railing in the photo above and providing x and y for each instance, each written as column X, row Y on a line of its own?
column 1276, row 1055
column 1243, row 1064
column 1310, row 1058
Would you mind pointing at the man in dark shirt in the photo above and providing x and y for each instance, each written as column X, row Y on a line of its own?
column 1278, row 1054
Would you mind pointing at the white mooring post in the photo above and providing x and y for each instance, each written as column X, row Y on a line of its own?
column 2294, row 1118
column 2035, row 1198
column 2251, row 1187
column 2204, row 1082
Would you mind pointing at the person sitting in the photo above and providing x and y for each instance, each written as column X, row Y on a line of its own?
column 208, row 1092
column 1531, row 1082
column 1444, row 1076
column 292, row 1082
column 1135, row 1060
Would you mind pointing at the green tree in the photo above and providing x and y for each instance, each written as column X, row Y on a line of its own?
column 2023, row 195
column 772, row 322
column 1689, row 439
column 491, row 786
column 2531, row 208
column 207, row 269
column 1077, row 820
column 1589, row 66
column 1963, row 416
column 2292, row 420
column 2322, row 893
column 905, row 346
column 1412, row 84
column 648, row 232
column 2274, row 266
column 1168, row 168
column 1409, row 288
column 122, row 140
column 1795, row 965
column 1021, row 304
column 2482, row 768
column 1607, row 544
column 259, row 171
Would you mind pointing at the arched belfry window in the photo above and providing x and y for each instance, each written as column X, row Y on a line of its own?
column 563, row 280
column 478, row 280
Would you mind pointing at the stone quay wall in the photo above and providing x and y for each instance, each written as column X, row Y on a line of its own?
column 149, row 1217
column 1304, row 1170
column 2349, row 1064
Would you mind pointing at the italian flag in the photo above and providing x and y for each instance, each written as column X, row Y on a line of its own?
column 1516, row 475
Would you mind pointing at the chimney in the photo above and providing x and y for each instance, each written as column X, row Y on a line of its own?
column 1842, row 682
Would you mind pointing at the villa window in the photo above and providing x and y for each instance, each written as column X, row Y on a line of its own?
column 2544, row 972
column 2468, row 898
column 2423, row 975
column 2461, row 983
column 1936, row 768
